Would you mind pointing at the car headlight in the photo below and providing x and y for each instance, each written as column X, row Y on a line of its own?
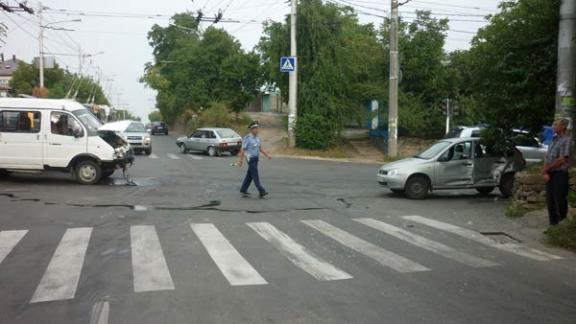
column 147, row 140
column 119, row 153
column 391, row 172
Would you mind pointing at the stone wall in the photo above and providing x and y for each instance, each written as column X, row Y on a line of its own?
column 530, row 192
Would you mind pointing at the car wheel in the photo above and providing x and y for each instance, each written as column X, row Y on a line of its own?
column 166, row 133
column 507, row 185
column 148, row 151
column 398, row 191
column 484, row 191
column 417, row 187
column 212, row 151
column 88, row 172
column 235, row 152
column 183, row 149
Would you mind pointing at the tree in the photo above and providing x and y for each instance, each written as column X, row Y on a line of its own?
column 155, row 116
column 338, row 63
column 195, row 68
column 510, row 71
column 59, row 82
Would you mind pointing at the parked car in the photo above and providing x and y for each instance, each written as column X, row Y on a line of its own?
column 158, row 127
column 457, row 163
column 213, row 141
column 50, row 134
column 531, row 147
column 134, row 133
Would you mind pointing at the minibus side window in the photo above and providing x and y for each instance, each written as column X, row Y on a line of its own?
column 62, row 123
column 20, row 121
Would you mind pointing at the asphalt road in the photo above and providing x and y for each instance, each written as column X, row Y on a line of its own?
column 327, row 246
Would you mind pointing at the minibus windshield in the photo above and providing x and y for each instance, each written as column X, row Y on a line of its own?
column 88, row 120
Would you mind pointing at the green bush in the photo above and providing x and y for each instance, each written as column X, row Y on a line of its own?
column 563, row 235
column 217, row 115
column 315, row 132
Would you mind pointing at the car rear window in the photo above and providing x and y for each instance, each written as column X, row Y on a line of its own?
column 227, row 133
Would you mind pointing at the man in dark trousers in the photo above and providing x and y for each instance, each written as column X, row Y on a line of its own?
column 251, row 148
column 555, row 172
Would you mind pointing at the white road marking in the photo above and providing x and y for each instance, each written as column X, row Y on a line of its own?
column 153, row 156
column 195, row 157
column 63, row 272
column 8, row 240
column 382, row 256
column 149, row 267
column 298, row 254
column 426, row 244
column 231, row 263
column 515, row 248
column 100, row 313
column 173, row 156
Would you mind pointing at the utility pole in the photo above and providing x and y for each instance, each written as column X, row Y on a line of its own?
column 448, row 115
column 293, row 80
column 393, row 83
column 566, row 83
column 80, row 58
column 41, row 46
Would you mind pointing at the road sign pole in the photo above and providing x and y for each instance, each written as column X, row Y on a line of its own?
column 293, row 81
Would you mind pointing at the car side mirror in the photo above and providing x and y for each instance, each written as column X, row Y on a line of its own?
column 78, row 133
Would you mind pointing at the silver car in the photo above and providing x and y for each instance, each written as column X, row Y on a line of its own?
column 531, row 147
column 212, row 141
column 133, row 132
column 457, row 163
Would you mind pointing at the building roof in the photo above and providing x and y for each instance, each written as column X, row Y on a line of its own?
column 7, row 67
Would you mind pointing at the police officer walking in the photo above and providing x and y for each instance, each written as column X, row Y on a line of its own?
column 555, row 172
column 251, row 148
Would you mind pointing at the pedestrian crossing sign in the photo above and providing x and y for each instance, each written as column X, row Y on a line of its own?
column 287, row 63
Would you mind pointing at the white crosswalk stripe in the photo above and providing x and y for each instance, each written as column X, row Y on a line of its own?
column 515, row 248
column 426, row 244
column 150, row 271
column 153, row 156
column 382, row 256
column 195, row 157
column 298, row 254
column 149, row 267
column 231, row 263
column 63, row 272
column 8, row 240
column 173, row 156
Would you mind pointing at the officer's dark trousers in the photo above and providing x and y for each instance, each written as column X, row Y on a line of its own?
column 557, row 196
column 252, row 175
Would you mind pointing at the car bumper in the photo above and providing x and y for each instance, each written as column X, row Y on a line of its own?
column 391, row 182
column 140, row 145
column 229, row 148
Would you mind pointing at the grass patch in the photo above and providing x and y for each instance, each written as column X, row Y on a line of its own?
column 516, row 210
column 335, row 152
column 563, row 235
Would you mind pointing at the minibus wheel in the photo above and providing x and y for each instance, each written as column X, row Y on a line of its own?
column 88, row 172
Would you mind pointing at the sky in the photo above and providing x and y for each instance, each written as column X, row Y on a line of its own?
column 112, row 33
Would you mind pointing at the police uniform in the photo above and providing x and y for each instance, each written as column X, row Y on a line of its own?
column 251, row 146
column 559, row 183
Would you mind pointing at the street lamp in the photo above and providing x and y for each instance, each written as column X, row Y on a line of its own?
column 41, row 42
